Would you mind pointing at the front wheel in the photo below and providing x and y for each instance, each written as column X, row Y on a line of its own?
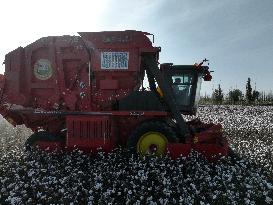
column 151, row 138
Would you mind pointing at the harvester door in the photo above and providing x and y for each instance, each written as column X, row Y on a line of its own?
column 73, row 66
column 77, row 82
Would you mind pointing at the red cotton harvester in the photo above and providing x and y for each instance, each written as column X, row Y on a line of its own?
column 87, row 92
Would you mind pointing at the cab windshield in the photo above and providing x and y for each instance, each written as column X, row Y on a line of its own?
column 182, row 85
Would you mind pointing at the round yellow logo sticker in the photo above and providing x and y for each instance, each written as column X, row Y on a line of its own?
column 43, row 69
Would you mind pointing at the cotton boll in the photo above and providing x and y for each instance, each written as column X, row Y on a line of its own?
column 269, row 185
column 82, row 179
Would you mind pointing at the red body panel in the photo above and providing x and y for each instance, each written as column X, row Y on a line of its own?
column 86, row 73
column 90, row 133
column 66, row 72
column 211, row 152
column 209, row 142
column 176, row 150
column 104, row 131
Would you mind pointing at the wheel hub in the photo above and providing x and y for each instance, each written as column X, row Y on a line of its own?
column 153, row 148
column 152, row 143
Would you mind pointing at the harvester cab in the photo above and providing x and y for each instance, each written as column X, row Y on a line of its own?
column 85, row 92
column 186, row 81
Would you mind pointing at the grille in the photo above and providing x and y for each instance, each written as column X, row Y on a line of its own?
column 90, row 128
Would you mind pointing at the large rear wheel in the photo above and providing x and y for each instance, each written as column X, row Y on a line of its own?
column 44, row 140
column 151, row 138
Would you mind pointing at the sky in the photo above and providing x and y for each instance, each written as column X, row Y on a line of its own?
column 235, row 35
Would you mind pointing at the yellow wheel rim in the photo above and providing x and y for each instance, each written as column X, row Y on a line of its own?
column 152, row 143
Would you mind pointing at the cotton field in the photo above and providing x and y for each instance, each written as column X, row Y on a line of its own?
column 118, row 178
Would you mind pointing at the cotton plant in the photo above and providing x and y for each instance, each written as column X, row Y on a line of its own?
column 38, row 177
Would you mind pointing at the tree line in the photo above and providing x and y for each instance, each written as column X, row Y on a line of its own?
column 236, row 96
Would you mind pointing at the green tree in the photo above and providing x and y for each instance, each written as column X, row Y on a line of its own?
column 218, row 95
column 269, row 96
column 235, row 95
column 255, row 95
column 249, row 96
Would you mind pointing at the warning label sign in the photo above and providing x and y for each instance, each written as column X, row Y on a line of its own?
column 114, row 60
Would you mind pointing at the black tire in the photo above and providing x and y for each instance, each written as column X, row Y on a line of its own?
column 41, row 136
column 150, row 126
